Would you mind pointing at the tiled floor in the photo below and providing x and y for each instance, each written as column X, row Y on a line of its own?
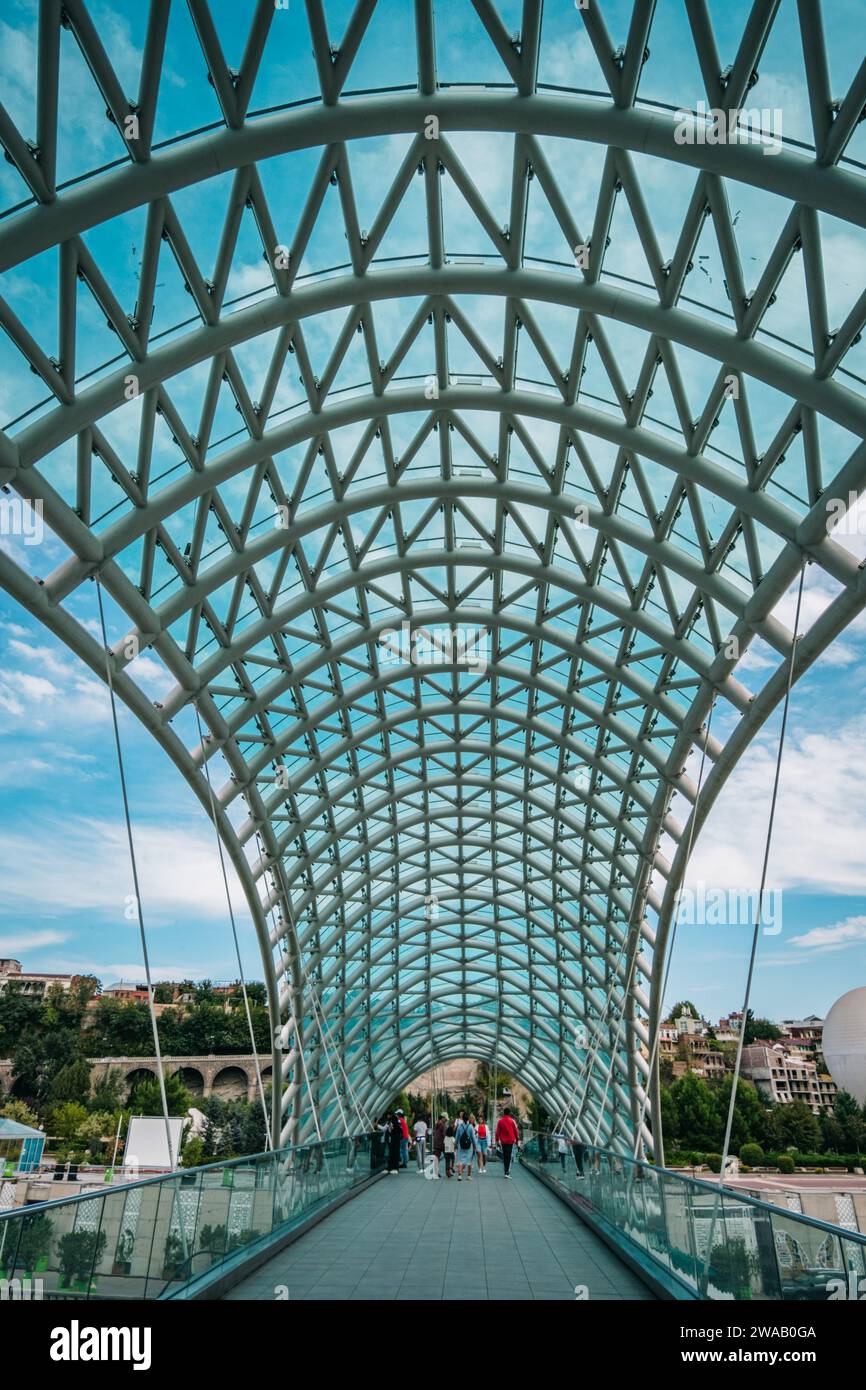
column 408, row 1238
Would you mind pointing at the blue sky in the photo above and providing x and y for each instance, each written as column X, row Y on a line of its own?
column 65, row 870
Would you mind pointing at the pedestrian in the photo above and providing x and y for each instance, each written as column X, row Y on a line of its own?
column 467, row 1143
column 438, row 1142
column 561, row 1147
column 483, row 1136
column 579, row 1150
column 420, row 1131
column 394, row 1136
column 507, row 1136
column 449, row 1150
column 403, row 1127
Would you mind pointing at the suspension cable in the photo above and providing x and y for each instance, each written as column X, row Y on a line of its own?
column 213, row 816
column 756, row 933
column 160, row 1071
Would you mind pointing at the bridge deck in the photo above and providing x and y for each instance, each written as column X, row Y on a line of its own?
column 414, row 1239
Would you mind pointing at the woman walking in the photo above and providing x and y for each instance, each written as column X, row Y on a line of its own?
column 483, row 1136
column 467, row 1143
column 438, row 1143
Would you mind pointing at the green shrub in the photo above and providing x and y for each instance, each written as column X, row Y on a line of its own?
column 713, row 1162
column 752, row 1155
column 786, row 1163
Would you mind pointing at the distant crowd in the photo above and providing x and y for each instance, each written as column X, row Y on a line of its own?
column 462, row 1143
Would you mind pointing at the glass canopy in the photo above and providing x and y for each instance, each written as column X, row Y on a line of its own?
column 452, row 446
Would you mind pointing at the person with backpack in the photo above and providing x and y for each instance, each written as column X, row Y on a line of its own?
column 507, row 1136
column 467, row 1143
column 483, row 1136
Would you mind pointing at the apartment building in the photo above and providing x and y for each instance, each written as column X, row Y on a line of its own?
column 784, row 1076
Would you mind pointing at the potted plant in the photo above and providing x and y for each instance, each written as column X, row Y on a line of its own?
column 34, row 1244
column 731, row 1268
column 80, row 1253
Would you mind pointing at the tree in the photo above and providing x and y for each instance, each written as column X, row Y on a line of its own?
column 749, row 1123
column 163, row 994
column 833, row 1134
column 192, row 1154
column 19, row 1112
column 122, row 1030
column 67, row 1118
column 797, row 1126
column 146, row 1098
column 685, row 1006
column 759, row 1030
column 84, row 988
column 670, row 1116
column 72, row 1082
column 108, row 1093
column 93, row 1131
column 697, row 1119
column 847, row 1112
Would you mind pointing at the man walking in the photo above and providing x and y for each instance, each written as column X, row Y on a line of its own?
column 421, row 1143
column 506, row 1137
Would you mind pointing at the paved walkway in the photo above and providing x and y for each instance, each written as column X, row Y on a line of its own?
column 409, row 1238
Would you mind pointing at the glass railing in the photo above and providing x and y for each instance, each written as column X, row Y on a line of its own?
column 169, row 1237
column 703, row 1241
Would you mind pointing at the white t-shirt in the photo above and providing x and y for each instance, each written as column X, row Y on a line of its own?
column 420, row 1129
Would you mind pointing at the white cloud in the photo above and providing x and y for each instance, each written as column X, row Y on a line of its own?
column 48, row 689
column 820, row 824
column 29, row 941
column 83, row 865
column 849, row 932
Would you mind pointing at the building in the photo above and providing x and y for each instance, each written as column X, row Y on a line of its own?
column 784, row 1077
column 34, row 983
column 728, row 1029
column 126, row 992
column 803, row 1035
column 20, row 1147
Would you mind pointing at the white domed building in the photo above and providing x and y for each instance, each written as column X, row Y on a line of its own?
column 844, row 1043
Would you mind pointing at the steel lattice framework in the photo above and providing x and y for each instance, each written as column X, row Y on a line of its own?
column 442, row 859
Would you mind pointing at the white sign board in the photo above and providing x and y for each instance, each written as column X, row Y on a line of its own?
column 146, row 1144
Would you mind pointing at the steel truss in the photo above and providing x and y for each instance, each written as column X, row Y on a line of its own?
column 419, row 857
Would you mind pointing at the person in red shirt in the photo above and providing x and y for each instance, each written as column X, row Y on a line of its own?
column 404, row 1139
column 506, row 1137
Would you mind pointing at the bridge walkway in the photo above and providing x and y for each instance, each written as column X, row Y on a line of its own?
column 409, row 1238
